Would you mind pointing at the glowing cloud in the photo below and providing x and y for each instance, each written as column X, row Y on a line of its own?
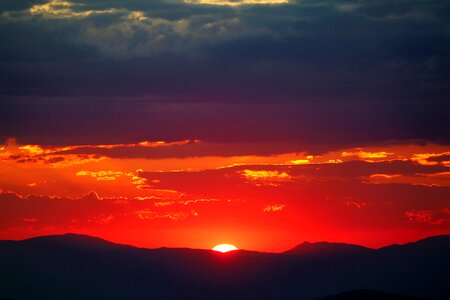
column 236, row 2
column 308, row 159
column 367, row 155
column 274, row 207
column 63, row 10
column 101, row 175
column 385, row 176
column 137, row 16
column 424, row 158
column 265, row 175
column 147, row 214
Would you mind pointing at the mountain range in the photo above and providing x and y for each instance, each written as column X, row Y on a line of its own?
column 74, row 266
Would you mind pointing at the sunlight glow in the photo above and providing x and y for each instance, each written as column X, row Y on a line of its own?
column 224, row 248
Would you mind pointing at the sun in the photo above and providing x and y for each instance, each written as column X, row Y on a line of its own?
column 224, row 248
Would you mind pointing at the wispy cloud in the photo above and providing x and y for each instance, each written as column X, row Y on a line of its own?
column 65, row 9
column 274, row 207
column 237, row 2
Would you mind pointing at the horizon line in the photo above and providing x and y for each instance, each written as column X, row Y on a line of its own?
column 239, row 249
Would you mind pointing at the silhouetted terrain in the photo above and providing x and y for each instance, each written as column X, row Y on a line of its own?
column 328, row 249
column 81, row 267
column 367, row 295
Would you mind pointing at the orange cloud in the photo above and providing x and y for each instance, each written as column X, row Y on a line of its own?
column 308, row 160
column 369, row 156
column 101, row 175
column 425, row 158
column 39, row 153
column 174, row 216
column 432, row 217
column 385, row 176
column 108, row 175
column 443, row 175
column 274, row 207
column 439, row 179
column 266, row 175
column 183, row 202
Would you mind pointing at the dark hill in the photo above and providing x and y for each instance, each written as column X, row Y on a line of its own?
column 82, row 267
column 327, row 249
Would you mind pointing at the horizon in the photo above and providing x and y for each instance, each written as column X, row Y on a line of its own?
column 199, row 122
column 239, row 249
column 82, row 267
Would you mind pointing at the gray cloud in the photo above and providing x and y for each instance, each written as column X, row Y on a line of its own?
column 327, row 66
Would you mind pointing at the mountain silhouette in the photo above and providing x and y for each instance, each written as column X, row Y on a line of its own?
column 73, row 266
column 328, row 249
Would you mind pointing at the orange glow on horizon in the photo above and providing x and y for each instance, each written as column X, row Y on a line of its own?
column 188, row 192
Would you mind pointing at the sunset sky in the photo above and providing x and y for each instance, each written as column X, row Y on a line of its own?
column 259, row 123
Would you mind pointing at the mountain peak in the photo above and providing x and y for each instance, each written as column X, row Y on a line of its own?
column 72, row 240
column 327, row 248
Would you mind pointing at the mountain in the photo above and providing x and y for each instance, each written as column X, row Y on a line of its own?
column 75, row 266
column 328, row 249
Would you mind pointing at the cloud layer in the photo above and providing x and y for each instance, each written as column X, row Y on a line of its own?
column 371, row 195
column 313, row 71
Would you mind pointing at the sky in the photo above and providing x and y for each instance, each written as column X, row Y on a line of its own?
column 260, row 123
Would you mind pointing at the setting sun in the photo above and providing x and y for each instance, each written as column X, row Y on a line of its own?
column 224, row 248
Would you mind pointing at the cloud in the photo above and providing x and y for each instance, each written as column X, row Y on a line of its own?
column 195, row 148
column 101, row 175
column 265, row 177
column 231, row 153
column 340, row 195
column 385, row 176
column 41, row 155
column 174, row 216
column 431, row 158
column 109, row 175
column 425, row 179
column 257, row 87
column 274, row 207
column 88, row 211
column 64, row 9
column 329, row 192
column 395, row 182
column 308, row 160
column 433, row 217
column 349, row 7
column 237, row 2
column 369, row 156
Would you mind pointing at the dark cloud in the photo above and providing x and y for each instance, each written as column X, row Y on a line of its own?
column 319, row 126
column 317, row 71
